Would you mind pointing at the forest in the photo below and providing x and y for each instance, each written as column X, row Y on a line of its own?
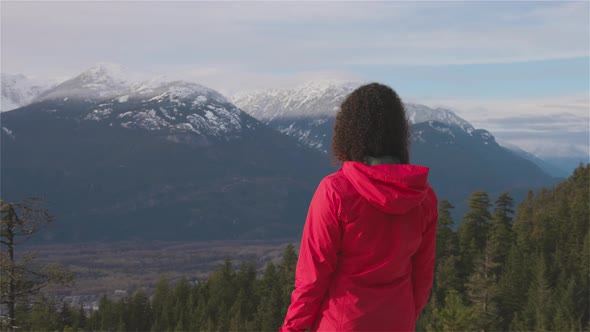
column 504, row 267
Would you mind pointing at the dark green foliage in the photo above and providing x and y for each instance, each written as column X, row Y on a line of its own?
column 472, row 232
column 454, row 315
column 527, row 274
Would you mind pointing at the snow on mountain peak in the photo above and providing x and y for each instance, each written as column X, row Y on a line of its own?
column 307, row 111
column 107, row 81
column 313, row 99
column 19, row 90
column 323, row 98
column 176, row 91
column 106, row 75
column 420, row 113
column 102, row 81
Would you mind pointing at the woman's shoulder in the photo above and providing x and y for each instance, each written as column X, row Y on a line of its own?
column 337, row 184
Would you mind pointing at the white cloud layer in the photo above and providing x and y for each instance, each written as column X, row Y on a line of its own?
column 546, row 127
column 56, row 37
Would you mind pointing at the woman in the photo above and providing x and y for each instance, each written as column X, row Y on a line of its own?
column 367, row 253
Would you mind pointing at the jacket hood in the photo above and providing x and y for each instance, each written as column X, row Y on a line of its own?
column 392, row 188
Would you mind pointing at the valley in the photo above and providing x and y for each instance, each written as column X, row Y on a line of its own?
column 103, row 268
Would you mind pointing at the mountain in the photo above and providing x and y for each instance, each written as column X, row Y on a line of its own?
column 106, row 94
column 307, row 112
column 119, row 159
column 19, row 90
column 546, row 166
column 462, row 159
column 99, row 82
column 567, row 157
column 462, row 162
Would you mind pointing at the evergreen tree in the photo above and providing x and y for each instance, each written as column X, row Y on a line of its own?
column 565, row 317
column 454, row 315
column 500, row 236
column 269, row 315
column 482, row 288
column 66, row 317
column 223, row 289
column 287, row 276
column 107, row 314
column 180, row 298
column 43, row 315
column 473, row 231
column 161, row 303
column 539, row 308
column 21, row 279
column 140, row 313
column 447, row 251
column 512, row 287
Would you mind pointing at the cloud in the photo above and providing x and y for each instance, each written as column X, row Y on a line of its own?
column 232, row 80
column 272, row 36
column 546, row 127
column 548, row 123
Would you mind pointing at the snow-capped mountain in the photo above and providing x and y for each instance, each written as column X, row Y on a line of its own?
column 307, row 112
column 420, row 113
column 99, row 82
column 120, row 158
column 109, row 94
column 315, row 99
column 19, row 90
column 462, row 159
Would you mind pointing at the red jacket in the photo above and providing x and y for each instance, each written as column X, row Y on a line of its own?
column 367, row 254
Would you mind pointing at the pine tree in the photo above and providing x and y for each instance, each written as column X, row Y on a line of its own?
column 473, row 231
column 539, row 307
column 140, row 313
column 482, row 288
column 222, row 289
column 180, row 312
column 287, row 276
column 512, row 287
column 108, row 316
column 161, row 303
column 80, row 324
column 247, row 299
column 269, row 315
column 500, row 234
column 454, row 315
column 200, row 314
column 20, row 278
column 565, row 317
column 65, row 316
column 42, row 316
column 447, row 251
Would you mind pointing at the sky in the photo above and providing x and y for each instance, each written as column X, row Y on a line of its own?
column 519, row 69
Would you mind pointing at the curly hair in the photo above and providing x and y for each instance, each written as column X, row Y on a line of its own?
column 371, row 122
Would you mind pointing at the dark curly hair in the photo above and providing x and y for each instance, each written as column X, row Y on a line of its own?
column 371, row 122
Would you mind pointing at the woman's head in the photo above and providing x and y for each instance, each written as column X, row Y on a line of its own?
column 371, row 122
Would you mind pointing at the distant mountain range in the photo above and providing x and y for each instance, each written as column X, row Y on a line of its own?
column 164, row 160
column 307, row 112
column 462, row 159
column 121, row 158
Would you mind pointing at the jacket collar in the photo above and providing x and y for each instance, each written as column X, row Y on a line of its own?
column 372, row 161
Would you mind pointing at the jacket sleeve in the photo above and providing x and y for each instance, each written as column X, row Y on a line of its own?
column 318, row 257
column 423, row 262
